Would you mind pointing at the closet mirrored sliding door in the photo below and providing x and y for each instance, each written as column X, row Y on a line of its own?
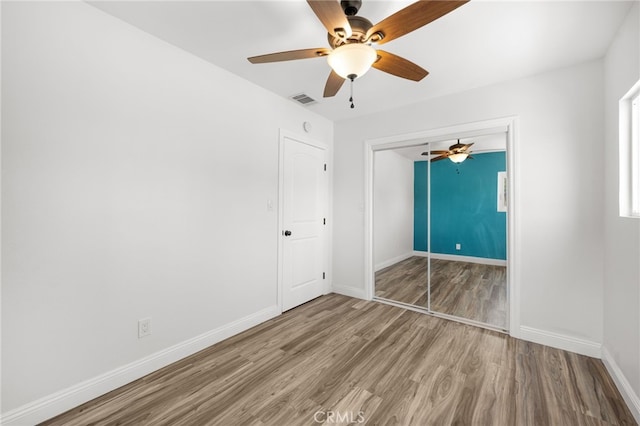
column 468, row 230
column 440, row 228
column 400, row 276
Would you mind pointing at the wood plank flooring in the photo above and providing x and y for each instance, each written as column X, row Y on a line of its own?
column 405, row 281
column 369, row 363
column 468, row 290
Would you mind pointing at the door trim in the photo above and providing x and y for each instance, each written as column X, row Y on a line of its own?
column 509, row 125
column 327, row 237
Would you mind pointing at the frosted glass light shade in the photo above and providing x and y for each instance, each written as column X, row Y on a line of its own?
column 458, row 158
column 352, row 59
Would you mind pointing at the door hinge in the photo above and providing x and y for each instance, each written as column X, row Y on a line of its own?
column 325, row 167
column 323, row 276
column 324, row 221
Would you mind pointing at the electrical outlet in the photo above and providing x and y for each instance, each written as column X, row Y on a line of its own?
column 458, row 246
column 144, row 327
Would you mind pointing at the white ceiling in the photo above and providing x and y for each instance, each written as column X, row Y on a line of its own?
column 480, row 43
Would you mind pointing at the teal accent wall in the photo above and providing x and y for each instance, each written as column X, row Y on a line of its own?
column 463, row 207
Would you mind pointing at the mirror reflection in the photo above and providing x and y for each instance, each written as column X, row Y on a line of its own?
column 440, row 227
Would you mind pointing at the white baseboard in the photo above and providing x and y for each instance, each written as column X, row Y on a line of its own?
column 66, row 399
column 457, row 258
column 561, row 341
column 630, row 397
column 393, row 261
column 358, row 293
column 470, row 259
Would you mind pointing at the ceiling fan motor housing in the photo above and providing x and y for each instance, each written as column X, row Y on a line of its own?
column 359, row 28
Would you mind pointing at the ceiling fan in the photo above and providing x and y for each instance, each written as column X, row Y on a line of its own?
column 458, row 152
column 350, row 37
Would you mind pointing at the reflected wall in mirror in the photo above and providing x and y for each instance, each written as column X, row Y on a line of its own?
column 440, row 229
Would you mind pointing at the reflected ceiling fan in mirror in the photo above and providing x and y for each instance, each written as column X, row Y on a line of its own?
column 458, row 152
column 351, row 37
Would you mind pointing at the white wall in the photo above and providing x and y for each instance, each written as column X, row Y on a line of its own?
column 135, row 181
column 560, row 189
column 622, row 235
column 393, row 208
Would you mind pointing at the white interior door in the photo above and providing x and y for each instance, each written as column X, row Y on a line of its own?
column 304, row 195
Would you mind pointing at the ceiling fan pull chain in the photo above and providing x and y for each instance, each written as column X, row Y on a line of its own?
column 351, row 77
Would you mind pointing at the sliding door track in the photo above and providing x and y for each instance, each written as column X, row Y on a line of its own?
column 440, row 315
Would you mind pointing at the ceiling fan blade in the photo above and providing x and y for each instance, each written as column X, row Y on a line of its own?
column 442, row 157
column 334, row 83
column 290, row 55
column 411, row 18
column 436, row 152
column 398, row 66
column 470, row 157
column 466, row 146
column 330, row 13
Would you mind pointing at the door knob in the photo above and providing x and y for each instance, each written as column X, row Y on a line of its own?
column 287, row 233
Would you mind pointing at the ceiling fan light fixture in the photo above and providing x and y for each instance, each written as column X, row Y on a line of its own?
column 459, row 157
column 352, row 59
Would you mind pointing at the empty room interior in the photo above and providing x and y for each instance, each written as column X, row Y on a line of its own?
column 320, row 212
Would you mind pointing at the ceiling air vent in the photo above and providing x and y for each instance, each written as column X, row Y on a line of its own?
column 303, row 99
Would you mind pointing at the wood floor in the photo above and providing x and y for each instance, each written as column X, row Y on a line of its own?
column 368, row 363
column 468, row 290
